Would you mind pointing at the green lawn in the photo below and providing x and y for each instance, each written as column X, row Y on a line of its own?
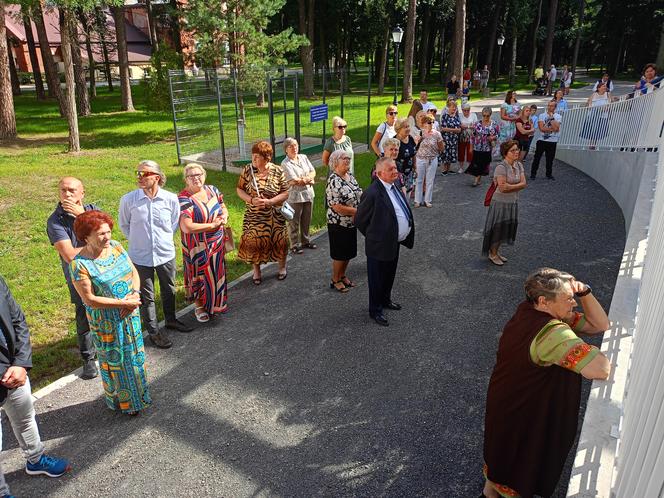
column 113, row 143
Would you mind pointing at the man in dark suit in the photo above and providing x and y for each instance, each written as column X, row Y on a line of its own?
column 15, row 393
column 386, row 221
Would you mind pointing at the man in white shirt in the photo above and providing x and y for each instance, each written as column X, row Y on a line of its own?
column 424, row 100
column 549, row 124
column 553, row 75
column 149, row 216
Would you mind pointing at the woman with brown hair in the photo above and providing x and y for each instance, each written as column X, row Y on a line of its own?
column 503, row 216
column 263, row 186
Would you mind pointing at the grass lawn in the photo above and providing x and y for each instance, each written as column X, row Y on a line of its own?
column 113, row 143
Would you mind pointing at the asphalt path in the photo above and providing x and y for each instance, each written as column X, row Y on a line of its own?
column 295, row 392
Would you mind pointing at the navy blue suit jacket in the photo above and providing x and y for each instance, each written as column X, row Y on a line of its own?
column 377, row 221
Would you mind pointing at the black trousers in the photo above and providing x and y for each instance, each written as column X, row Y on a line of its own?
column 86, row 344
column 381, row 278
column 543, row 147
column 166, row 276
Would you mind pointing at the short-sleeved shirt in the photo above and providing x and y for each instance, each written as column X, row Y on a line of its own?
column 428, row 148
column 294, row 169
column 558, row 344
column 346, row 145
column 512, row 175
column 386, row 131
column 60, row 226
column 346, row 193
column 545, row 118
column 406, row 159
column 482, row 135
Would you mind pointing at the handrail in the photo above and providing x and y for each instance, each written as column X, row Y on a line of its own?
column 630, row 124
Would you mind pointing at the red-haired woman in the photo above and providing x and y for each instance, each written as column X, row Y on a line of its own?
column 262, row 185
column 108, row 284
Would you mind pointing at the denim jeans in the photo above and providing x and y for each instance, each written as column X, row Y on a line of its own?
column 21, row 414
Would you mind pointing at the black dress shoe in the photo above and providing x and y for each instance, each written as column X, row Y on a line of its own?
column 160, row 340
column 179, row 326
column 381, row 320
column 90, row 370
column 392, row 306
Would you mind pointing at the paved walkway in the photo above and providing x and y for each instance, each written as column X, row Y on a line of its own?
column 295, row 392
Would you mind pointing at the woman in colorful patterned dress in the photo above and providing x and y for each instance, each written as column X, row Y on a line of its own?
column 108, row 284
column 534, row 394
column 263, row 186
column 450, row 128
column 484, row 137
column 509, row 114
column 203, row 216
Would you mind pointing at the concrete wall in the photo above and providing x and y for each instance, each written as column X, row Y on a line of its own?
column 631, row 179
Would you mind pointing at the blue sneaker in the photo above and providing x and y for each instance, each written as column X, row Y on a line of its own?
column 8, row 496
column 47, row 465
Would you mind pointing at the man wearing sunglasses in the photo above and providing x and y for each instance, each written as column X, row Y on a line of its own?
column 149, row 216
column 60, row 230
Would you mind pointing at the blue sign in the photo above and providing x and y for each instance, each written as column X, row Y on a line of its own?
column 318, row 113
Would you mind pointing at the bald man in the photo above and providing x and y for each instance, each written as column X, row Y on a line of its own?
column 60, row 230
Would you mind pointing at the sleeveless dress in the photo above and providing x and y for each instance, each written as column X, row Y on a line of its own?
column 119, row 341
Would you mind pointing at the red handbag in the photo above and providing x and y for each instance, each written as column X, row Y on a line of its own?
column 489, row 193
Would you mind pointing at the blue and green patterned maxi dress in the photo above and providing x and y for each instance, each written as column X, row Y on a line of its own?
column 119, row 341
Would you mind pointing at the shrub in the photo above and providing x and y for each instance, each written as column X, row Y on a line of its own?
column 157, row 94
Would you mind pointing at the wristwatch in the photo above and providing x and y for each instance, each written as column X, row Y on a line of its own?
column 584, row 292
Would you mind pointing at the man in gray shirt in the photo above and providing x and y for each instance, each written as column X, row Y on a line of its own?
column 149, row 217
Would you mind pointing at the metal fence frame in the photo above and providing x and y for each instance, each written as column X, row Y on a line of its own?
column 629, row 124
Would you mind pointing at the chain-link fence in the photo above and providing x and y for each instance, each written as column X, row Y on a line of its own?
column 216, row 123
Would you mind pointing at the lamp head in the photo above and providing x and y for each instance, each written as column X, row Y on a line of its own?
column 501, row 40
column 397, row 34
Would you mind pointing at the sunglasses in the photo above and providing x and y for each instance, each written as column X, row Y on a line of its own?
column 342, row 127
column 392, row 113
column 142, row 174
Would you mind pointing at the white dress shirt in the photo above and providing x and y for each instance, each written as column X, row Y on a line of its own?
column 403, row 218
column 149, row 225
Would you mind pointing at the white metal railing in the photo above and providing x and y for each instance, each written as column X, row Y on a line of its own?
column 630, row 124
column 641, row 448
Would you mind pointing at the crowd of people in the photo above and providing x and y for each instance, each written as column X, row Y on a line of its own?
column 113, row 289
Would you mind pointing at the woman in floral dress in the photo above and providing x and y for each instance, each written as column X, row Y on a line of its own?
column 108, row 284
column 484, row 138
column 509, row 115
column 450, row 128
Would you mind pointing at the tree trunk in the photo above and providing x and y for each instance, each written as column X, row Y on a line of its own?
column 424, row 45
column 550, row 33
column 660, row 53
column 409, row 49
column 66, row 21
column 324, row 59
column 175, row 27
column 121, row 38
column 152, row 26
column 82, row 97
column 431, row 45
column 442, row 53
column 513, row 58
column 100, row 22
column 34, row 60
column 13, row 75
column 306, row 21
column 87, row 28
column 493, row 32
column 533, row 42
column 577, row 42
column 7, row 116
column 385, row 53
column 52, row 78
column 459, row 40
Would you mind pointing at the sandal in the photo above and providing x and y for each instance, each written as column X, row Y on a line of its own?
column 201, row 315
column 297, row 250
column 282, row 276
column 347, row 281
column 257, row 280
column 496, row 260
column 339, row 286
column 310, row 245
column 502, row 258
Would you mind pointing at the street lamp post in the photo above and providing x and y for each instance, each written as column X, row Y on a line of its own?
column 501, row 40
column 397, row 34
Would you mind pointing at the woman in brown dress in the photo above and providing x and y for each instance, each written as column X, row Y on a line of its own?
column 262, row 185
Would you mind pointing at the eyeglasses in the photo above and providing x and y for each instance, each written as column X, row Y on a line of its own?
column 142, row 174
column 342, row 127
column 514, row 150
column 347, row 158
column 392, row 113
column 196, row 176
